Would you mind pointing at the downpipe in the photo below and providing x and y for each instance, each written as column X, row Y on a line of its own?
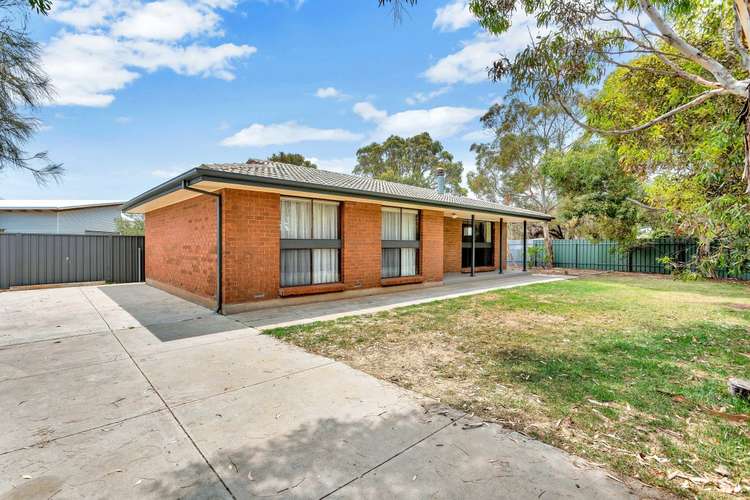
column 219, row 246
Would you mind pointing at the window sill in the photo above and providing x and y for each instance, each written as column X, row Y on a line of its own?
column 401, row 280
column 294, row 291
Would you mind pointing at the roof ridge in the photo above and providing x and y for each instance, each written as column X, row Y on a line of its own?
column 311, row 179
column 373, row 179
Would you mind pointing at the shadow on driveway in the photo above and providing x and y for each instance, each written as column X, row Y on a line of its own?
column 166, row 316
column 370, row 459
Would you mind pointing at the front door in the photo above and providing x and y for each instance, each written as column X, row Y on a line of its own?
column 483, row 244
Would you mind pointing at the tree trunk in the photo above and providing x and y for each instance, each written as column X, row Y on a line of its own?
column 746, row 170
column 703, row 253
column 549, row 257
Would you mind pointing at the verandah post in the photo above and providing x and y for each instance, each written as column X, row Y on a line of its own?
column 500, row 256
column 524, row 245
column 473, row 245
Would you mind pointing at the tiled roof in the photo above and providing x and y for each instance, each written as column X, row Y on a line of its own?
column 352, row 183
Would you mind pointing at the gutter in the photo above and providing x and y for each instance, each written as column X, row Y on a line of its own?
column 185, row 184
column 200, row 174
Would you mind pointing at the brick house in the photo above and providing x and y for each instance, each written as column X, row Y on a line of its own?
column 232, row 236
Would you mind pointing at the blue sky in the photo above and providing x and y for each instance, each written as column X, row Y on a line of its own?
column 146, row 90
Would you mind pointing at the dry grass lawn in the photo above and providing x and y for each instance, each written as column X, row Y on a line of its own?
column 627, row 372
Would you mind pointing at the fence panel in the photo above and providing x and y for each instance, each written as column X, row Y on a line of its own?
column 40, row 259
column 607, row 255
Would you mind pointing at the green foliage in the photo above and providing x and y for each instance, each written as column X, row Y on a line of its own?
column 412, row 160
column 690, row 161
column 133, row 225
column 596, row 194
column 535, row 254
column 509, row 168
column 41, row 6
column 292, row 159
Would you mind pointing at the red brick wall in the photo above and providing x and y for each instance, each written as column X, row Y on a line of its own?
column 251, row 245
column 360, row 228
column 495, row 244
column 452, row 245
column 431, row 226
column 181, row 246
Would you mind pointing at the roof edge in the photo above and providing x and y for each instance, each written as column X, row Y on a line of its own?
column 165, row 187
column 199, row 173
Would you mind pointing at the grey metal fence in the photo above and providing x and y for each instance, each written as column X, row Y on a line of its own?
column 38, row 259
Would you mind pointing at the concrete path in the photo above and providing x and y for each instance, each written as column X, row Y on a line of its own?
column 455, row 286
column 124, row 391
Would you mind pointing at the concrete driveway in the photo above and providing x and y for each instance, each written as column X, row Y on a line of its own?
column 125, row 391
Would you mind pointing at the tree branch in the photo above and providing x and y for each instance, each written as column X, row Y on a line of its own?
column 737, row 35
column 722, row 74
column 700, row 99
column 686, row 74
column 642, row 205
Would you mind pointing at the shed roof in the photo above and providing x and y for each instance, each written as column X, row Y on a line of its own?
column 55, row 204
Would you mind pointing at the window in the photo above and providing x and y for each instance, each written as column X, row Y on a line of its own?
column 400, row 242
column 310, row 242
column 482, row 244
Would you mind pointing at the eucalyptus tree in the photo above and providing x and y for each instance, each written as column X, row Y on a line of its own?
column 510, row 166
column 578, row 42
column 292, row 159
column 410, row 160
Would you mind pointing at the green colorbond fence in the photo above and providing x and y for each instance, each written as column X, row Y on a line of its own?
column 608, row 256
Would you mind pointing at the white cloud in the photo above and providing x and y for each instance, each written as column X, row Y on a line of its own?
column 453, row 16
column 341, row 165
column 330, row 93
column 481, row 135
column 422, row 97
column 167, row 20
column 278, row 134
column 441, row 122
column 472, row 62
column 368, row 112
column 84, row 14
column 113, row 42
column 86, row 69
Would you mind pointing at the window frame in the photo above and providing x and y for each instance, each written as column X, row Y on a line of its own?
column 311, row 244
column 400, row 244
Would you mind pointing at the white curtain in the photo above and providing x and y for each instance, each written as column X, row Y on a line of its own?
column 295, row 267
column 408, row 261
column 295, row 218
column 325, row 220
column 389, row 266
column 409, row 224
column 487, row 232
column 390, row 224
column 325, row 265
